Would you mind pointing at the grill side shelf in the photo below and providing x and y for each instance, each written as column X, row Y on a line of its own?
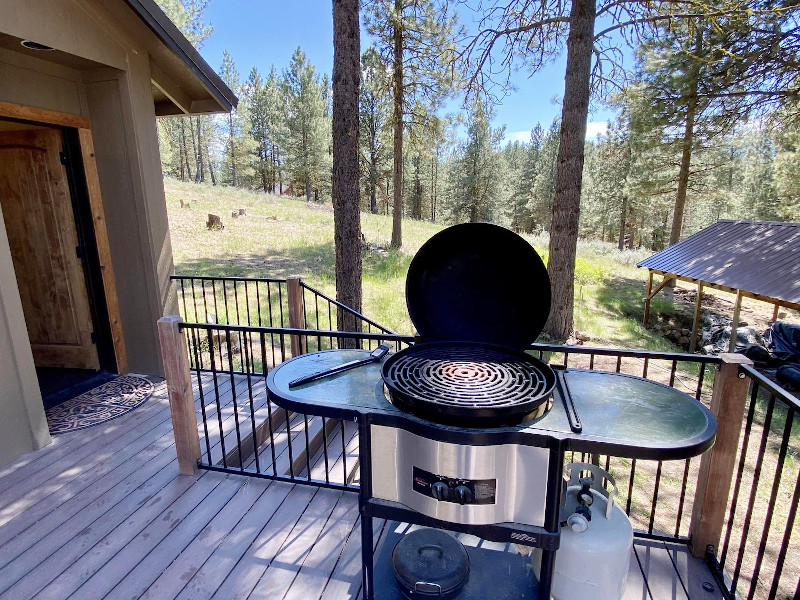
column 569, row 406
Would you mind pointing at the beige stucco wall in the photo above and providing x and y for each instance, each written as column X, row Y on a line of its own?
column 23, row 427
column 109, row 82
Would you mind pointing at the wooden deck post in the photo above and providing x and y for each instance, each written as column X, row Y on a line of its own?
column 717, row 466
column 181, row 396
column 297, row 314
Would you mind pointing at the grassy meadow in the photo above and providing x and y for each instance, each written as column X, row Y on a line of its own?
column 283, row 236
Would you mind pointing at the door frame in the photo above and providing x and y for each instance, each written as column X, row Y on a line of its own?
column 84, row 156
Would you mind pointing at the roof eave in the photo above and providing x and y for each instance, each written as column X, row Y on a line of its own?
column 170, row 35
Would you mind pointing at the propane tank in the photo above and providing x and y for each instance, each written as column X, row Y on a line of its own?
column 596, row 538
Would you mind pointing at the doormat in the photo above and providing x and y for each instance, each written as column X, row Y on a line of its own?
column 108, row 401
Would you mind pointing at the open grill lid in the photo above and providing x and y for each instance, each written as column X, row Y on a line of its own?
column 478, row 282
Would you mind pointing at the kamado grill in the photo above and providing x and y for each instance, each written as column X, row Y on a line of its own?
column 465, row 432
column 478, row 295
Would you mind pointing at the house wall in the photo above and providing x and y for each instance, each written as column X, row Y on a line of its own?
column 104, row 74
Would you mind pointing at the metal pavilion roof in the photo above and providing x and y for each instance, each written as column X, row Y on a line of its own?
column 758, row 257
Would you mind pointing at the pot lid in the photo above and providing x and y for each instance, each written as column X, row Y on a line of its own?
column 430, row 562
column 478, row 282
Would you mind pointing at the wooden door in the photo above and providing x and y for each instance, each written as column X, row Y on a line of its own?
column 38, row 215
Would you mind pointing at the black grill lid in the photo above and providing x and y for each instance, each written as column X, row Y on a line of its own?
column 478, row 282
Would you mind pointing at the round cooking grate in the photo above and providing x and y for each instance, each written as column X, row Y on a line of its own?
column 479, row 382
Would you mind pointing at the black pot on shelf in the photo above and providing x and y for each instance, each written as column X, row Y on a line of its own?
column 430, row 563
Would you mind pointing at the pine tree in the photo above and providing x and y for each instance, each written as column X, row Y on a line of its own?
column 416, row 39
column 240, row 146
column 477, row 170
column 308, row 137
column 374, row 115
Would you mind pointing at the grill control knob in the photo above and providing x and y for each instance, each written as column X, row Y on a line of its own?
column 463, row 494
column 440, row 490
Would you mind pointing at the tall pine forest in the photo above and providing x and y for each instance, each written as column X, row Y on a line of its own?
column 707, row 127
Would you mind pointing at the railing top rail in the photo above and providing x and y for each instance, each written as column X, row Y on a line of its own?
column 325, row 333
column 649, row 354
column 773, row 388
column 344, row 307
column 215, row 278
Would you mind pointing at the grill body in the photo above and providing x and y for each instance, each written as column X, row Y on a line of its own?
column 507, row 482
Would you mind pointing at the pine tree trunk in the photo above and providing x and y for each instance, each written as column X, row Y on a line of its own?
column 397, row 117
column 569, row 174
column 211, row 169
column 346, row 189
column 201, row 171
column 233, row 154
column 621, row 239
column 686, row 163
column 687, row 143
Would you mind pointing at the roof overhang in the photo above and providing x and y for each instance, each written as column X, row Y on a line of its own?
column 183, row 82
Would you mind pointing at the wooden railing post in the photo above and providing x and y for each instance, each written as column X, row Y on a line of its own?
column 297, row 314
column 181, row 396
column 718, row 465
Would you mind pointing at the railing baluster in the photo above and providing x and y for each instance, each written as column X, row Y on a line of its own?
column 753, row 492
column 211, row 345
column 289, row 434
column 308, row 449
column 787, row 535
column 325, row 448
column 682, row 498
column 773, row 497
column 252, row 406
column 740, row 471
column 201, row 393
column 630, row 487
column 235, row 404
column 269, row 406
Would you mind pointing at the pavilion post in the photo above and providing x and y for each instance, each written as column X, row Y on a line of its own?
column 775, row 312
column 647, row 298
column 735, row 324
column 696, row 321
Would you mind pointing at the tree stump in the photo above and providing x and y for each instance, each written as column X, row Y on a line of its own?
column 214, row 222
column 186, row 204
column 242, row 212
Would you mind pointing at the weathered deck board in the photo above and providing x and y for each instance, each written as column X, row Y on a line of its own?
column 103, row 513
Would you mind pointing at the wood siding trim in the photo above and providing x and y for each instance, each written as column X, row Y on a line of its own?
column 103, row 248
column 42, row 115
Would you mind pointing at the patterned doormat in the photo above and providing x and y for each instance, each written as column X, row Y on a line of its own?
column 103, row 403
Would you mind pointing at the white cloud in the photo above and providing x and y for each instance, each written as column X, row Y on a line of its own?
column 595, row 128
column 517, row 136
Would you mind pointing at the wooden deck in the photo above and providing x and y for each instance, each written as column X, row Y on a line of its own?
column 102, row 513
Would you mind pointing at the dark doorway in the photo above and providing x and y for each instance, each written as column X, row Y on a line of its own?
column 49, row 224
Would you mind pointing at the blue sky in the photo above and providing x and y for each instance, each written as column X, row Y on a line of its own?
column 265, row 32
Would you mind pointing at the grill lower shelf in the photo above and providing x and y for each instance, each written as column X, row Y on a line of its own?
column 517, row 581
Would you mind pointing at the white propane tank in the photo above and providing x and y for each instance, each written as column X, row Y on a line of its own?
column 593, row 556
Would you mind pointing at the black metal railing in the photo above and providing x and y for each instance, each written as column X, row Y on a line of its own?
column 258, row 302
column 243, row 432
column 761, row 542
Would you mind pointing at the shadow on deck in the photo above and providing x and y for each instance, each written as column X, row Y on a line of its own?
column 103, row 513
